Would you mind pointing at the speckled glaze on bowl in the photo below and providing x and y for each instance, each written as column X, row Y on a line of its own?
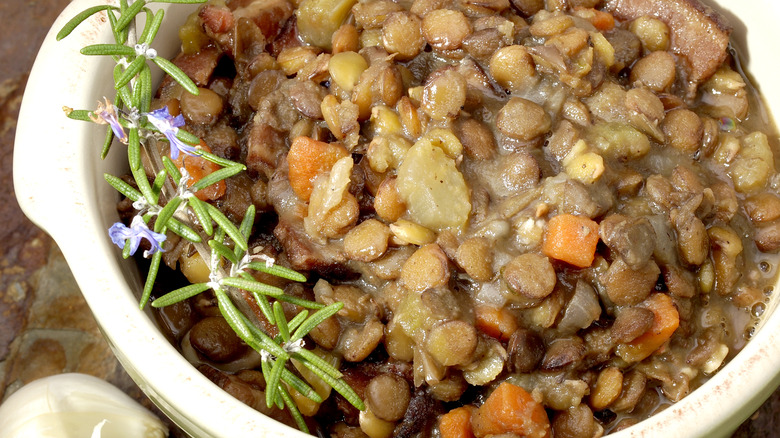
column 58, row 177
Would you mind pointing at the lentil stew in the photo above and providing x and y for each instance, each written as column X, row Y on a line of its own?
column 544, row 218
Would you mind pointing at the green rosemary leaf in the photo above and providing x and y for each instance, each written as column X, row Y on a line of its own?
column 228, row 226
column 126, row 250
column 281, row 321
column 315, row 319
column 301, row 386
column 123, row 94
column 82, row 115
column 167, row 213
column 278, row 271
column 134, row 149
column 153, row 25
column 189, row 138
column 133, row 69
column 200, row 212
column 170, row 166
column 265, row 307
column 151, row 276
column 159, row 181
column 253, row 286
column 144, row 83
column 265, row 367
column 137, row 92
column 180, row 294
column 108, row 49
column 122, row 187
column 183, row 230
column 215, row 177
column 120, row 36
column 272, row 384
column 176, row 73
column 222, row 250
column 148, row 23
column 129, row 13
column 213, row 158
column 294, row 411
column 246, row 226
column 336, row 383
column 137, row 168
column 78, row 19
column 306, row 304
column 305, row 356
column 297, row 320
column 107, row 143
column 253, row 336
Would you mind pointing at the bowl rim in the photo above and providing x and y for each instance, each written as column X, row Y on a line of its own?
column 56, row 208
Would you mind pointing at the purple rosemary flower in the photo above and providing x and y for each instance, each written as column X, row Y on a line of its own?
column 106, row 114
column 169, row 126
column 727, row 124
column 121, row 235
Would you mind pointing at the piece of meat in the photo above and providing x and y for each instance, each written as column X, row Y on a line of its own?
column 216, row 19
column 265, row 147
column 698, row 34
column 269, row 15
column 197, row 66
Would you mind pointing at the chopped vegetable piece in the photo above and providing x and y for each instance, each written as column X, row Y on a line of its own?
column 497, row 322
column 511, row 409
column 571, row 239
column 307, row 159
column 198, row 168
column 456, row 423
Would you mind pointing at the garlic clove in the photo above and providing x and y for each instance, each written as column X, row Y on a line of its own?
column 76, row 406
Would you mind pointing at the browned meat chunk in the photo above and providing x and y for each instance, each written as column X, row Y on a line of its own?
column 699, row 34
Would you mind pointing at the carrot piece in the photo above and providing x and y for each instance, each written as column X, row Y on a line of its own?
column 496, row 322
column 571, row 239
column 666, row 321
column 511, row 409
column 198, row 168
column 307, row 159
column 457, row 423
column 601, row 20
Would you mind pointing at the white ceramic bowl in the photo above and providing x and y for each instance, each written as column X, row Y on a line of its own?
column 59, row 183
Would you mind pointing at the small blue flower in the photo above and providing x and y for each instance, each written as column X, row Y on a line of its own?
column 106, row 114
column 169, row 126
column 121, row 235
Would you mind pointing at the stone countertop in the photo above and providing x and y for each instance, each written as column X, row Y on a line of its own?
column 46, row 326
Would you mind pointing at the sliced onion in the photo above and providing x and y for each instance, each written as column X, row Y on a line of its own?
column 582, row 309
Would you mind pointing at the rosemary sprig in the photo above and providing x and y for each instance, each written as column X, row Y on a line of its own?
column 169, row 202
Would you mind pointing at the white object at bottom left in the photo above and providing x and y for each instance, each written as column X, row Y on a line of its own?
column 76, row 406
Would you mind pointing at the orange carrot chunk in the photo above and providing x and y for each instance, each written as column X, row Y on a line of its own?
column 571, row 239
column 496, row 322
column 665, row 322
column 198, row 168
column 599, row 19
column 307, row 159
column 511, row 409
column 456, row 423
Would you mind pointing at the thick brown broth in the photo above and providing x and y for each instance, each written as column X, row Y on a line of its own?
column 544, row 205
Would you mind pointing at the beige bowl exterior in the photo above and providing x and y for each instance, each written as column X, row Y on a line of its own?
column 58, row 177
